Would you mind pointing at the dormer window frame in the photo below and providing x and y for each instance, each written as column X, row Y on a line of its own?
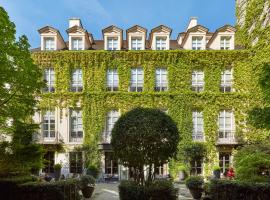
column 49, row 38
column 72, row 38
column 112, row 33
column 114, row 42
column 136, row 39
column 225, row 42
column 195, row 41
column 160, row 44
column 160, row 32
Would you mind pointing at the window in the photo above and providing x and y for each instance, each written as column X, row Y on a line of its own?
column 112, row 80
column 225, row 43
column 197, row 133
column 136, row 43
column 49, row 43
column 112, row 117
column 49, row 79
column 75, row 162
column 76, row 126
column 111, row 164
column 226, row 81
column 49, row 162
column 161, row 43
column 136, row 84
column 226, row 126
column 76, row 81
column 112, row 44
column 76, row 44
column 197, row 43
column 196, row 167
column 197, row 81
column 48, row 125
column 161, row 79
column 224, row 161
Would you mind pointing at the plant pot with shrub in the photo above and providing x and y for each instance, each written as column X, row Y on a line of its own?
column 57, row 171
column 195, row 186
column 216, row 172
column 87, row 185
column 92, row 171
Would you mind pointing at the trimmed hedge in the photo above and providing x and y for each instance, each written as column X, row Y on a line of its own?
column 158, row 190
column 235, row 190
column 20, row 189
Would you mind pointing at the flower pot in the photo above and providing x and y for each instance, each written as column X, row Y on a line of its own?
column 196, row 192
column 57, row 174
column 87, row 191
column 216, row 174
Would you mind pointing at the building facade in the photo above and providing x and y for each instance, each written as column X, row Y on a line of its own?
column 199, row 79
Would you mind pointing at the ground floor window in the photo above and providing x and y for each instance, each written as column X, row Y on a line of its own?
column 75, row 162
column 224, row 161
column 196, row 167
column 111, row 165
column 49, row 162
column 159, row 170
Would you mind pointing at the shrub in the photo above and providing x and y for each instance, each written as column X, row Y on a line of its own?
column 92, row 171
column 216, row 168
column 194, row 151
column 194, row 182
column 144, row 137
column 87, row 180
column 57, row 166
column 252, row 163
column 158, row 190
column 236, row 190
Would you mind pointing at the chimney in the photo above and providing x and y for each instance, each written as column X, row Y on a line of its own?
column 75, row 22
column 193, row 22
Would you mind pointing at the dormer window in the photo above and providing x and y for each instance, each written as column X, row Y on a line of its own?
column 197, row 43
column 49, row 43
column 76, row 43
column 112, row 43
column 225, row 43
column 136, row 43
column 161, row 43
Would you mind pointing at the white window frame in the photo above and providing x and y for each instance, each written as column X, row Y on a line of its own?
column 136, row 43
column 197, row 42
column 77, row 82
column 76, row 125
column 136, row 85
column 196, row 134
column 226, row 85
column 226, row 135
column 113, row 82
column 51, row 45
column 111, row 119
column 225, row 42
column 197, row 85
column 160, row 84
column 49, row 116
column 161, row 43
column 78, row 43
column 112, row 43
column 49, row 77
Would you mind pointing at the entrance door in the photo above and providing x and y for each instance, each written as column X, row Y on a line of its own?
column 49, row 162
column 111, row 165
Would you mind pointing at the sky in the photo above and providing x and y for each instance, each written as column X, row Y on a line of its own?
column 31, row 15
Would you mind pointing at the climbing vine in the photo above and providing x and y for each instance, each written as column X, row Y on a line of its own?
column 179, row 99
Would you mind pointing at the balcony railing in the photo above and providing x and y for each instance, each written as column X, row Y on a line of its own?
column 197, row 136
column 227, row 137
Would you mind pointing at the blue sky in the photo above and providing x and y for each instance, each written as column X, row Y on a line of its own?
column 30, row 15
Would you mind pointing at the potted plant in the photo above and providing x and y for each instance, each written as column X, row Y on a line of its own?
column 195, row 186
column 216, row 172
column 92, row 171
column 57, row 171
column 87, row 184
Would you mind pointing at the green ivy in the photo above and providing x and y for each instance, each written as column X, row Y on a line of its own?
column 179, row 100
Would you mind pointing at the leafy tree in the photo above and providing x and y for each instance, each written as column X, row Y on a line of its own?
column 20, row 82
column 144, row 137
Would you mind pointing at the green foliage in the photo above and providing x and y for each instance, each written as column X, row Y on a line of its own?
column 87, row 180
column 194, row 151
column 179, row 100
column 252, row 163
column 93, row 171
column 57, row 166
column 216, row 168
column 21, row 154
column 194, row 182
column 235, row 190
column 142, row 137
column 158, row 190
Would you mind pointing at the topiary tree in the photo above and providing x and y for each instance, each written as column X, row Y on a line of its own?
column 143, row 138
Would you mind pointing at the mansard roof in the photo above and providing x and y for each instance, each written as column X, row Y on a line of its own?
column 46, row 29
column 112, row 28
column 161, row 28
column 136, row 28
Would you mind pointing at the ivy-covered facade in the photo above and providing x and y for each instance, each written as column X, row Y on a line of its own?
column 179, row 99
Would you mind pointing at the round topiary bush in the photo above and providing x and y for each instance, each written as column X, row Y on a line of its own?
column 144, row 137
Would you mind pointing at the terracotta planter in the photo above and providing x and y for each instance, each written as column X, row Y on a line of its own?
column 87, row 191
column 196, row 192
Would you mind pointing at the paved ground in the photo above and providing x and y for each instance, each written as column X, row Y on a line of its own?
column 109, row 191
